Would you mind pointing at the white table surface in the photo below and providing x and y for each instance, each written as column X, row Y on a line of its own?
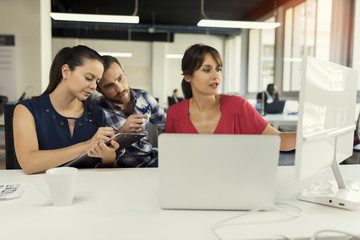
column 123, row 204
column 281, row 117
column 276, row 119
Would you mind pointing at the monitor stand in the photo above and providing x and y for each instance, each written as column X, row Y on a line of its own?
column 339, row 193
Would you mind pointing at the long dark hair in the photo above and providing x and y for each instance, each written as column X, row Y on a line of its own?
column 73, row 57
column 193, row 59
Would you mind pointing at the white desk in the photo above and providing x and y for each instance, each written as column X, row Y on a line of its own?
column 276, row 119
column 123, row 204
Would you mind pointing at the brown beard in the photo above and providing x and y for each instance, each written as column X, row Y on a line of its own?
column 116, row 99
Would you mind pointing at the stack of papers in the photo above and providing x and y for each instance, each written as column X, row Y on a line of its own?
column 10, row 191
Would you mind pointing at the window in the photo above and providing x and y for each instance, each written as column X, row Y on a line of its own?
column 261, row 58
column 356, row 49
column 232, row 66
column 307, row 31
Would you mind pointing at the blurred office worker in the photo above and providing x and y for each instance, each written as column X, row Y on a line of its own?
column 174, row 98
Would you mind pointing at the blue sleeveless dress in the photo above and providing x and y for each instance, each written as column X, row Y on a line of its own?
column 52, row 128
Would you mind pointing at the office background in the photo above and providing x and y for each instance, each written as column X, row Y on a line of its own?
column 327, row 29
column 253, row 58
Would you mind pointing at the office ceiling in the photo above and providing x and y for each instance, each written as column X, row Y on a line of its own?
column 157, row 17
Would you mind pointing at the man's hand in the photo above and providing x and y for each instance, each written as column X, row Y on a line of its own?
column 133, row 124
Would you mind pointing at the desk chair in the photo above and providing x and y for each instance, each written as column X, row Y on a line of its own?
column 11, row 160
column 153, row 135
column 3, row 101
column 170, row 101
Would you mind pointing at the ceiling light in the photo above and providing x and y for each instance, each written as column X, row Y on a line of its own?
column 206, row 22
column 116, row 54
column 98, row 17
column 237, row 24
column 94, row 18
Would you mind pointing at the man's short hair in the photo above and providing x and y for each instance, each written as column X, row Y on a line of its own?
column 108, row 60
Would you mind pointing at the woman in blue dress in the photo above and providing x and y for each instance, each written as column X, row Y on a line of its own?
column 58, row 126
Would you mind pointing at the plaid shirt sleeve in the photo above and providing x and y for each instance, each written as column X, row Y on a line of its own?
column 113, row 120
column 140, row 153
column 158, row 115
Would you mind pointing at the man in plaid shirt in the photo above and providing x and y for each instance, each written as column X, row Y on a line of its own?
column 124, row 110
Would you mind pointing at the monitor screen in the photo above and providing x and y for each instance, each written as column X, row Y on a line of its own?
column 327, row 105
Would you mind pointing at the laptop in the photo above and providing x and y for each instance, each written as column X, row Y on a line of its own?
column 217, row 171
column 277, row 106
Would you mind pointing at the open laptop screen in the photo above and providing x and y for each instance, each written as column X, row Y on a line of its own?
column 217, row 171
column 277, row 106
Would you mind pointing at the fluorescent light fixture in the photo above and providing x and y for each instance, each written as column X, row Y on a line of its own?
column 174, row 56
column 117, row 54
column 94, row 18
column 237, row 24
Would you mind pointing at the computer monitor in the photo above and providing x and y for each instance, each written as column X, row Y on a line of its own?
column 325, row 130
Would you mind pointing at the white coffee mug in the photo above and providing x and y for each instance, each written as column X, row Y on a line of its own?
column 62, row 185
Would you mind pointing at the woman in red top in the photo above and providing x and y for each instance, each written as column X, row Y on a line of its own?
column 206, row 111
